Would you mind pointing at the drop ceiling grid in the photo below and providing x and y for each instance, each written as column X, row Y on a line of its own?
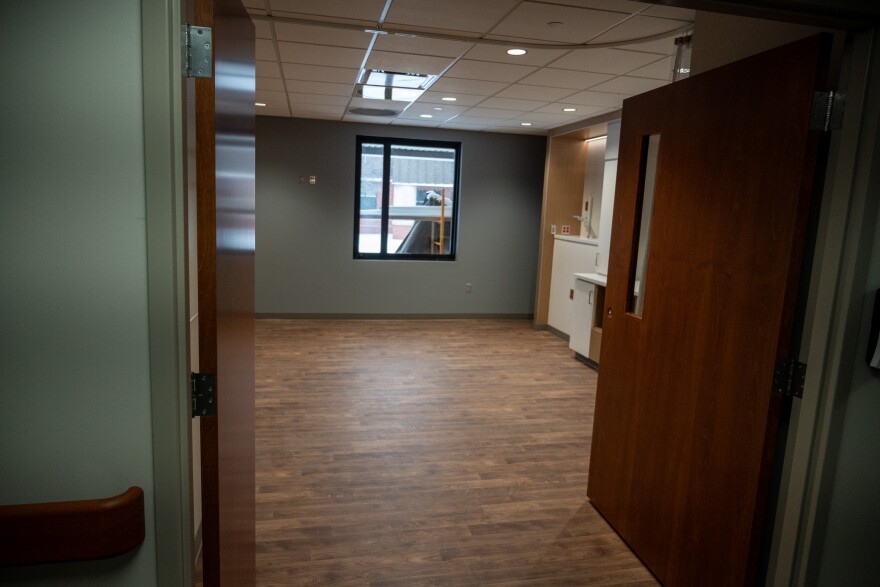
column 482, row 74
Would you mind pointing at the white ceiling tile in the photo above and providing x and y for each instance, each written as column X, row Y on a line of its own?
column 455, row 124
column 322, row 35
column 498, row 54
column 467, row 86
column 420, row 45
column 433, row 97
column 306, row 87
column 427, row 108
column 580, row 110
column 481, row 112
column 671, row 12
column 272, row 84
column 638, row 27
column 591, row 98
column 367, row 119
column 403, row 121
column 616, row 61
column 268, row 69
column 629, row 85
column 662, row 46
column 320, row 55
column 356, row 9
column 540, row 93
column 265, row 50
column 625, row 6
column 269, row 96
column 262, row 28
column 545, row 117
column 477, row 121
column 565, row 78
column 531, row 20
column 300, row 71
column 512, row 104
column 658, row 70
column 484, row 70
column 457, row 15
column 298, row 98
column 405, row 63
column 309, row 109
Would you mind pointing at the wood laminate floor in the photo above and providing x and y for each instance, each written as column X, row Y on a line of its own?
column 427, row 453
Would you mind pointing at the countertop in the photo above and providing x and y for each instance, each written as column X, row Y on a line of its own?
column 596, row 278
column 577, row 239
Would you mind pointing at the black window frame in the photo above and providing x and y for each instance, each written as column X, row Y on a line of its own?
column 388, row 143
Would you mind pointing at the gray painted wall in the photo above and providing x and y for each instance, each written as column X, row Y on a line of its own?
column 304, row 261
column 74, row 355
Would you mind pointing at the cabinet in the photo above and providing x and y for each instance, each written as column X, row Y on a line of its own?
column 582, row 317
column 571, row 254
column 587, row 318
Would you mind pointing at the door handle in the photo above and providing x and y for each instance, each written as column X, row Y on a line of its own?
column 590, row 298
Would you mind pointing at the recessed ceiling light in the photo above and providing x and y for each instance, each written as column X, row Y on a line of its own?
column 258, row 104
column 437, row 108
column 525, row 124
column 448, row 99
column 426, row 115
column 516, row 51
column 569, row 109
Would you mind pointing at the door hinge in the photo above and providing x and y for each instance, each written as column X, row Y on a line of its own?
column 203, row 391
column 197, row 51
column 827, row 112
column 788, row 378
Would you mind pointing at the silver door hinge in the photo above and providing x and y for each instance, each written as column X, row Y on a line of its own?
column 197, row 51
column 203, row 391
column 827, row 112
column 788, row 378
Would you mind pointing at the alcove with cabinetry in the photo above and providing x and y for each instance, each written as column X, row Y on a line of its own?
column 579, row 183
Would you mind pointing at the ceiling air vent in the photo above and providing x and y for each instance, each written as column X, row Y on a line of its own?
column 373, row 111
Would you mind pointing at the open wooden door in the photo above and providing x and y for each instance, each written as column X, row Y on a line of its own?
column 225, row 235
column 686, row 419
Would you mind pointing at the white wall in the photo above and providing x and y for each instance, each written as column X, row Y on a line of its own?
column 75, row 421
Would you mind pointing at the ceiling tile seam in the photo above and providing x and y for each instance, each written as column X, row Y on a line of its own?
column 366, row 58
column 281, row 71
column 274, row 34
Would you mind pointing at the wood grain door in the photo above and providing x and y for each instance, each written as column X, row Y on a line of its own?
column 685, row 419
column 225, row 234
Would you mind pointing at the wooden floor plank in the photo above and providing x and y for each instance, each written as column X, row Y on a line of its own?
column 427, row 453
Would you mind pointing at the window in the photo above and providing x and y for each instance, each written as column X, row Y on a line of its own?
column 406, row 202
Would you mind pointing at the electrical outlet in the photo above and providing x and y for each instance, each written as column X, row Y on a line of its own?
column 467, row 287
column 552, row 229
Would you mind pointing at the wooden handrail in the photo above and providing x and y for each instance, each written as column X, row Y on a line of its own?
column 62, row 531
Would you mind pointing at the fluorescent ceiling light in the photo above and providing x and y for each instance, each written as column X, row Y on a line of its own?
column 396, row 94
column 448, row 99
column 426, row 115
column 396, row 80
column 258, row 104
column 516, row 51
column 569, row 109
column 525, row 124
